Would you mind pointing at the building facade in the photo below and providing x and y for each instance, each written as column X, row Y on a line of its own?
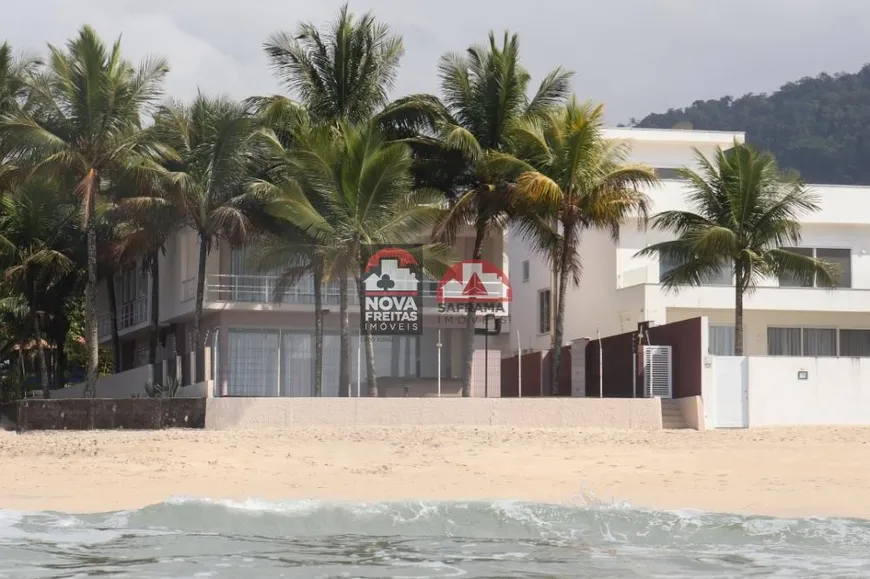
column 265, row 347
column 618, row 289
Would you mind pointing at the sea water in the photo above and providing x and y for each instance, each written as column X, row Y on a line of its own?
column 259, row 540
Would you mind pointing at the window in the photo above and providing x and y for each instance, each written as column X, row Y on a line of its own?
column 801, row 341
column 721, row 340
column 840, row 259
column 667, row 173
column 855, row 343
column 722, row 277
column 544, row 311
column 526, row 270
column 821, row 342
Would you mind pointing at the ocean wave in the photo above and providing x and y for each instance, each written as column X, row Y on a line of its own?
column 417, row 535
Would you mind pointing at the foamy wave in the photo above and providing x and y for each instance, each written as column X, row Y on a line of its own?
column 454, row 536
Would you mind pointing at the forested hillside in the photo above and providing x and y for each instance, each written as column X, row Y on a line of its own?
column 819, row 126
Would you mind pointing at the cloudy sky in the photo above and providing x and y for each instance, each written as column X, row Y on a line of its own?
column 638, row 56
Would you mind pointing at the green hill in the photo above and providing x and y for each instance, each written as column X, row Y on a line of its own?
column 818, row 126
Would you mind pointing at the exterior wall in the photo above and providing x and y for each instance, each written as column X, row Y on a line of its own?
column 596, row 306
column 687, row 338
column 760, row 391
column 836, row 391
column 755, row 322
column 526, row 383
column 249, row 413
column 692, row 409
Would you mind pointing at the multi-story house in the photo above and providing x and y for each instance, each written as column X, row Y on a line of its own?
column 619, row 289
column 261, row 347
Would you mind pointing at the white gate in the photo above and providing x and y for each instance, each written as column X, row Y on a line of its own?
column 657, row 376
column 731, row 397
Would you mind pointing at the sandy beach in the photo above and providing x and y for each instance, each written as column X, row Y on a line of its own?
column 783, row 472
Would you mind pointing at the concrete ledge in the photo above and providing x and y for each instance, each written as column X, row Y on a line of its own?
column 612, row 413
column 692, row 409
column 110, row 414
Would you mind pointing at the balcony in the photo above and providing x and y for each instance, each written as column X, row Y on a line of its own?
column 130, row 315
column 639, row 284
column 260, row 289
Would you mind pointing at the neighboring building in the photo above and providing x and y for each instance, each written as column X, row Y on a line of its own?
column 618, row 290
column 264, row 348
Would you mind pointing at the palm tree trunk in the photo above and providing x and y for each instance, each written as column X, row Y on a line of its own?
column 40, row 355
column 470, row 320
column 344, row 347
column 318, row 328
column 738, row 310
column 91, row 338
column 113, row 321
column 60, row 372
column 559, row 325
column 154, row 311
column 371, row 379
column 198, row 337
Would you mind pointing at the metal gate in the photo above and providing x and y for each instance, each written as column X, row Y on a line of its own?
column 657, row 371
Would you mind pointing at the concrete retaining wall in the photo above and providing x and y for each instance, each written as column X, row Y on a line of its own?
column 249, row 413
column 692, row 409
column 109, row 414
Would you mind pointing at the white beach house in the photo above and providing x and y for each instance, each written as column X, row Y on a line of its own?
column 618, row 289
column 264, row 348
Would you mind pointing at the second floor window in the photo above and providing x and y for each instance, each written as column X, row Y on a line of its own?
column 544, row 311
column 722, row 277
column 526, row 270
column 840, row 259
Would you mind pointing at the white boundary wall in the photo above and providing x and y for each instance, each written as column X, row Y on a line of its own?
column 790, row 391
column 835, row 391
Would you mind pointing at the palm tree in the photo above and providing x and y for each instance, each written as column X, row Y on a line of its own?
column 355, row 192
column 281, row 247
column 743, row 212
column 213, row 140
column 83, row 120
column 14, row 76
column 580, row 179
column 484, row 96
column 340, row 76
column 38, row 239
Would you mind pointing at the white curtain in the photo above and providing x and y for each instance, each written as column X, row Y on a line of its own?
column 820, row 342
column 784, row 341
column 332, row 361
column 253, row 363
column 297, row 356
column 721, row 342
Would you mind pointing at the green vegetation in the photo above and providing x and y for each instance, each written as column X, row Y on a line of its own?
column 816, row 126
column 98, row 169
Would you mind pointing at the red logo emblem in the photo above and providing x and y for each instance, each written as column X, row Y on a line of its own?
column 474, row 281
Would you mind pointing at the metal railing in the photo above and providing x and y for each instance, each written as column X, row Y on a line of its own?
column 260, row 289
column 129, row 315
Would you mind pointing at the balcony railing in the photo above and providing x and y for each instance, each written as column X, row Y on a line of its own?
column 260, row 289
column 129, row 315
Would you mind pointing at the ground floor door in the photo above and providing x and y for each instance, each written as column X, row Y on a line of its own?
column 731, row 395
